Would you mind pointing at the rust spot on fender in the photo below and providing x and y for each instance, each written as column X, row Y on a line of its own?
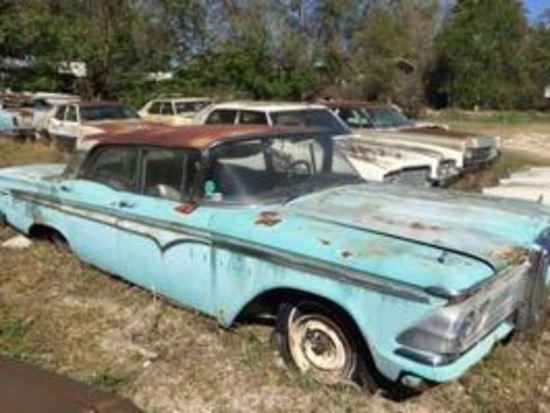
column 511, row 255
column 186, row 208
column 346, row 254
column 268, row 219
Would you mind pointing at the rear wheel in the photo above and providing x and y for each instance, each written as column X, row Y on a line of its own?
column 316, row 341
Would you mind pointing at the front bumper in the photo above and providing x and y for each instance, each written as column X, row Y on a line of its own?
column 396, row 366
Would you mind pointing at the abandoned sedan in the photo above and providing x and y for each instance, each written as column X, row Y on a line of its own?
column 360, row 278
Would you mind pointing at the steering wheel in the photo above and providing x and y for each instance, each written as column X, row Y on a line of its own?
column 300, row 167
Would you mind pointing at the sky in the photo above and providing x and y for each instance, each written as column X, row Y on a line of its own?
column 535, row 7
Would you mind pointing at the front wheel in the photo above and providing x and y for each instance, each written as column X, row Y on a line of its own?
column 316, row 341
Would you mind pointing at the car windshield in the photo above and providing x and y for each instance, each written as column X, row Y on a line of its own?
column 107, row 112
column 317, row 118
column 275, row 169
column 387, row 117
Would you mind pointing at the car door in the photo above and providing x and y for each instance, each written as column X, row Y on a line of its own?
column 94, row 202
column 55, row 125
column 164, row 248
column 71, row 127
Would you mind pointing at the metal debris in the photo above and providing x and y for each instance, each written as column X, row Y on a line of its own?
column 19, row 242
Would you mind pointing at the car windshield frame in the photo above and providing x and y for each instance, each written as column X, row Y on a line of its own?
column 322, row 118
column 283, row 191
column 99, row 112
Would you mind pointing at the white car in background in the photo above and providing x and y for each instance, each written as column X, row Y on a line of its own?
column 73, row 122
column 387, row 123
column 379, row 162
column 173, row 111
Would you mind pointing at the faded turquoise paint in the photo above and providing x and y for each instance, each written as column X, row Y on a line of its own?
column 394, row 243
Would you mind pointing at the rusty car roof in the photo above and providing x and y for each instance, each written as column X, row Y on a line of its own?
column 191, row 136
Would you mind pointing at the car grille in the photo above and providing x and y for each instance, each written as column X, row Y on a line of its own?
column 522, row 289
column 479, row 154
column 410, row 176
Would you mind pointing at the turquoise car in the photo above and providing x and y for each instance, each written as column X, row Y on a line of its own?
column 364, row 282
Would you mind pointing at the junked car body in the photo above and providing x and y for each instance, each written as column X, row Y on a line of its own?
column 532, row 185
column 365, row 117
column 73, row 122
column 412, row 283
column 375, row 161
column 25, row 388
column 173, row 110
column 8, row 121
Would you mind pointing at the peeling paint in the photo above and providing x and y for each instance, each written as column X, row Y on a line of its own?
column 268, row 219
column 511, row 255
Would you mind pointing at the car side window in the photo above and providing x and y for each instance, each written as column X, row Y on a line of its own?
column 60, row 112
column 222, row 116
column 70, row 115
column 155, row 108
column 250, row 117
column 169, row 173
column 167, row 109
column 354, row 118
column 163, row 173
column 113, row 166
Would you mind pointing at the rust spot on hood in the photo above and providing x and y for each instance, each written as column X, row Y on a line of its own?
column 268, row 219
column 346, row 254
column 511, row 255
column 423, row 227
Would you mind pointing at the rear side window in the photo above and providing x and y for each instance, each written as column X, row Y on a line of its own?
column 249, row 117
column 222, row 116
column 155, row 108
column 60, row 112
column 163, row 171
column 114, row 167
column 190, row 107
column 167, row 109
column 71, row 114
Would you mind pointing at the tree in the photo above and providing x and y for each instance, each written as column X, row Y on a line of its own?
column 481, row 55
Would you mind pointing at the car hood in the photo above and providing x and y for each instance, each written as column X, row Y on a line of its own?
column 398, row 137
column 428, row 239
column 472, row 224
column 407, row 233
column 385, row 158
column 467, row 138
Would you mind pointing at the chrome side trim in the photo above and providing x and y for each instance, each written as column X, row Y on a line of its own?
column 293, row 260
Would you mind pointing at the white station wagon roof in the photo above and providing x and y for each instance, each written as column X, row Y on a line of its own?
column 268, row 106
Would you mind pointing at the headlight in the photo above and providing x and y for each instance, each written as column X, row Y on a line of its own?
column 453, row 329
column 448, row 331
column 446, row 169
column 469, row 153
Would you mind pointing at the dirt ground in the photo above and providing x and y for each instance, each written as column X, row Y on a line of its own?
column 59, row 313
